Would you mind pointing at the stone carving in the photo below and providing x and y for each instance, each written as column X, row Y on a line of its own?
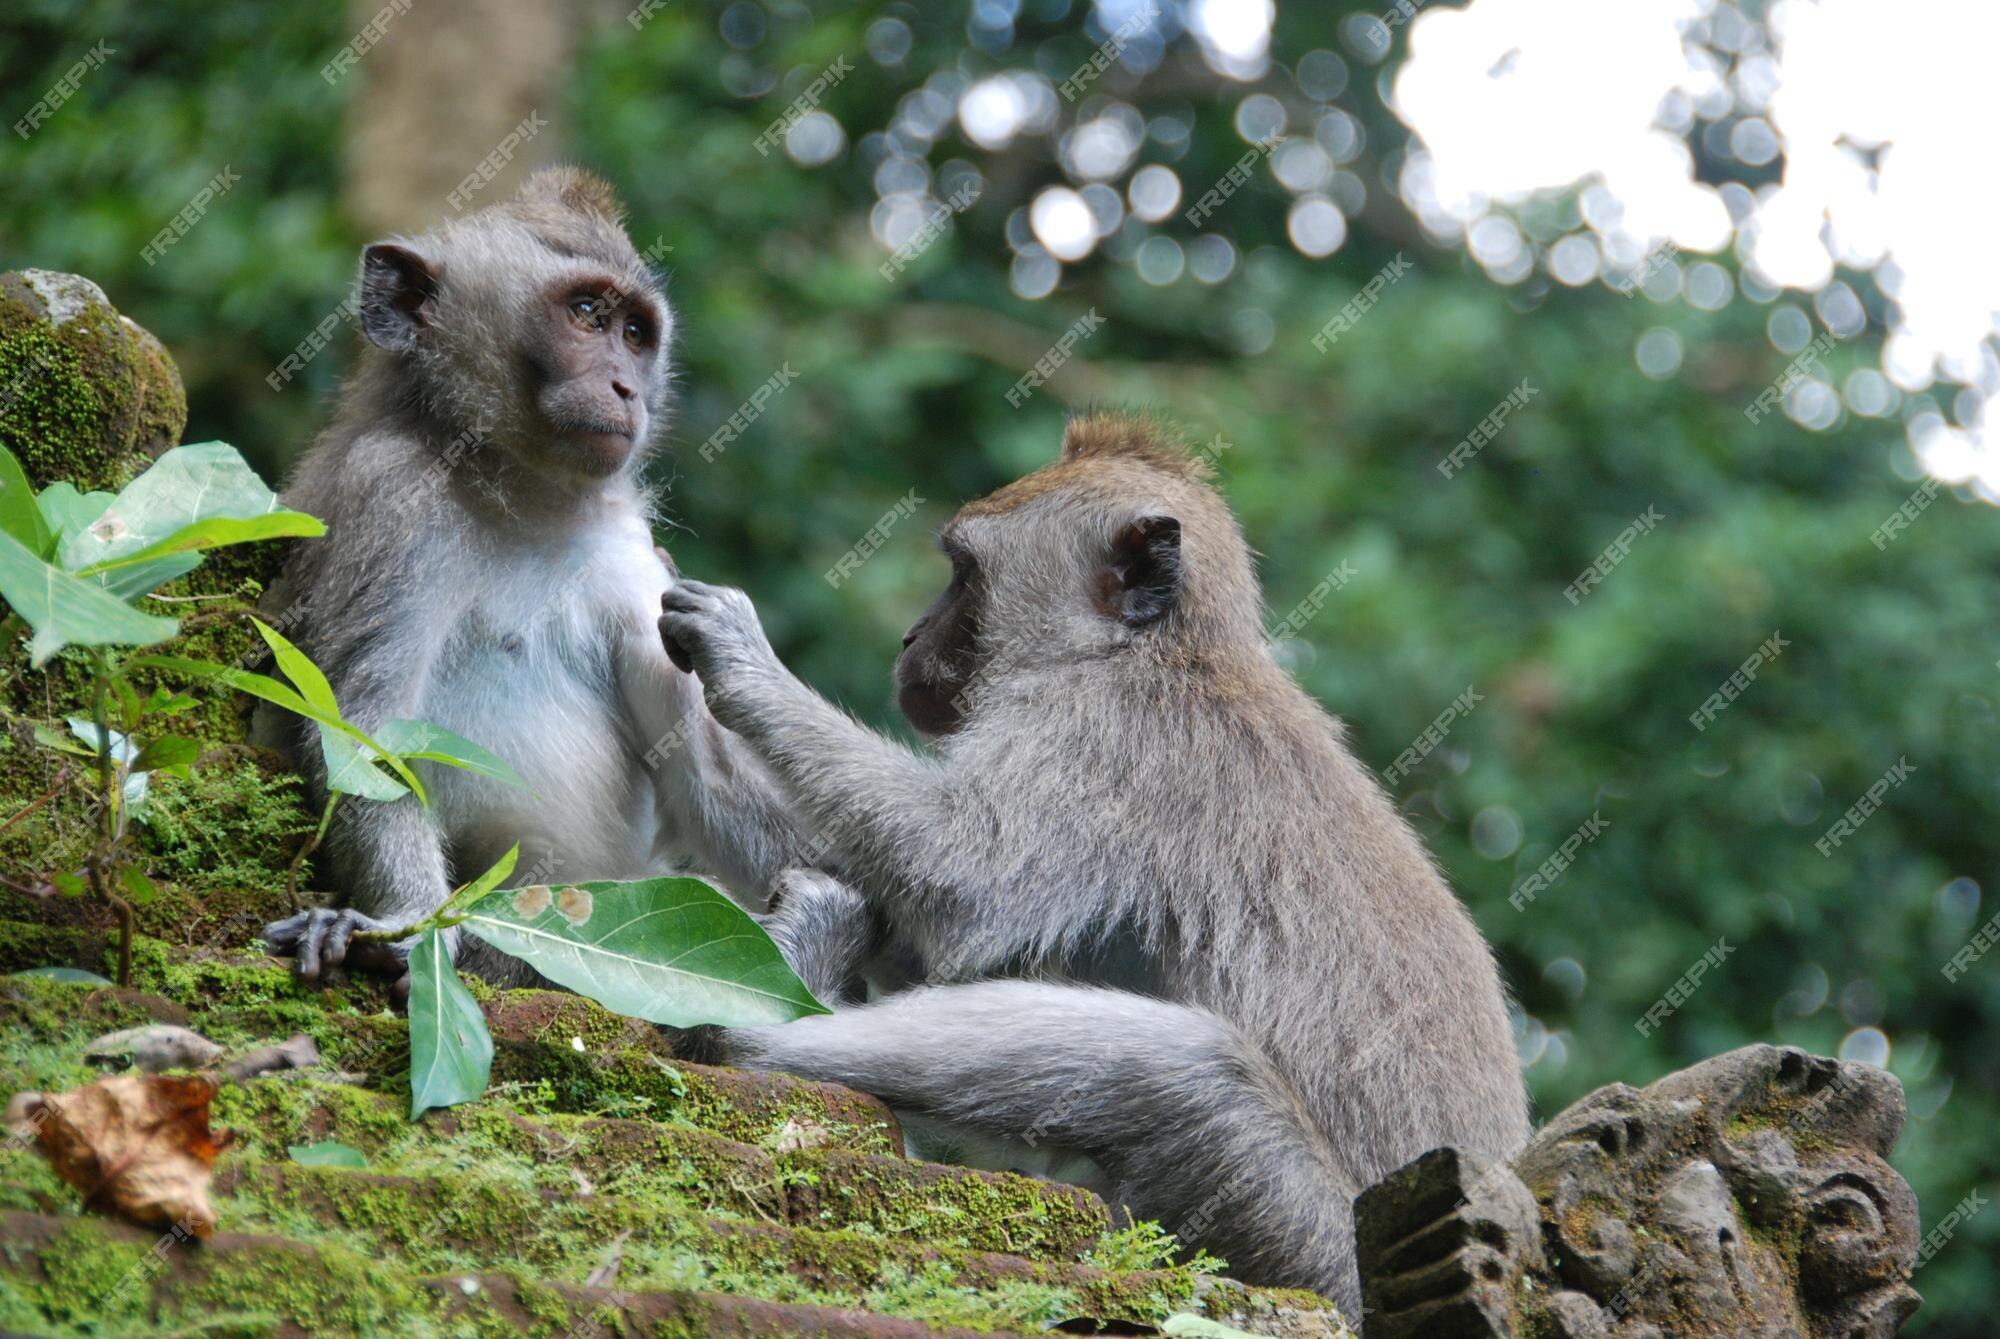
column 1748, row 1196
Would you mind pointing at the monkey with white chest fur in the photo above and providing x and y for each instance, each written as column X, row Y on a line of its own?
column 1171, row 922
column 489, row 566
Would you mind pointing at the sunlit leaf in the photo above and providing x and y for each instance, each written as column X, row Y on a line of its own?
column 68, row 511
column 671, row 951
column 64, row 611
column 451, row 1052
column 351, row 769
column 421, row 739
column 299, row 668
column 74, row 976
column 192, row 498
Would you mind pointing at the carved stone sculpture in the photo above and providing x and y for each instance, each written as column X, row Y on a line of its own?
column 1748, row 1196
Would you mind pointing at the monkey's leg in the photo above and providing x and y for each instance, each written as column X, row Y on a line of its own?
column 1193, row 1124
column 824, row 929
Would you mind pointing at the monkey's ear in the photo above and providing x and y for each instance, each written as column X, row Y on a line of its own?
column 398, row 295
column 1141, row 581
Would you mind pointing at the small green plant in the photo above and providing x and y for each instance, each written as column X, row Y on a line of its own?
column 72, row 565
column 668, row 950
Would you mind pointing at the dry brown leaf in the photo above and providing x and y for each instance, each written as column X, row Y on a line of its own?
column 138, row 1146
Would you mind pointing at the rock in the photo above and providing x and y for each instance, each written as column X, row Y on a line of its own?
column 1746, row 1196
column 86, row 394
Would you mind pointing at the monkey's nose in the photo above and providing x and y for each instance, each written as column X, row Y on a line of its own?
column 624, row 391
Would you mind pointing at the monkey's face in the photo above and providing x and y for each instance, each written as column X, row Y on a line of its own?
column 536, row 327
column 941, row 649
column 593, row 358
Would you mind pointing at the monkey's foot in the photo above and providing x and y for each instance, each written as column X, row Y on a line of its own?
column 324, row 937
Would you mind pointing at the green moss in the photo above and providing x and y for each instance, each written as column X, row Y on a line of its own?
column 980, row 1210
column 68, row 400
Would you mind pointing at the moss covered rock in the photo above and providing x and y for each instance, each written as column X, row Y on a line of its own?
column 86, row 394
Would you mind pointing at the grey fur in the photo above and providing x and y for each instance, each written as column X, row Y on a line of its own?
column 478, row 573
column 1306, row 1005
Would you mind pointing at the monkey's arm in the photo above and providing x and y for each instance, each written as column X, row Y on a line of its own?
column 880, row 805
column 390, row 857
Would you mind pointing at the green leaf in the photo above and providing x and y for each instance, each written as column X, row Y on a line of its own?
column 451, row 1052
column 1187, row 1325
column 67, row 511
column 671, row 951
column 192, row 498
column 75, row 976
column 20, row 515
column 140, row 891
column 69, row 885
column 299, row 668
column 54, row 739
column 482, row 885
column 421, row 739
column 64, row 611
column 326, row 1153
column 351, row 769
column 278, row 694
column 129, row 583
column 167, row 751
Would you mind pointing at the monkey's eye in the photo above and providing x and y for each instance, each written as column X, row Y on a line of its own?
column 638, row 332
column 590, row 312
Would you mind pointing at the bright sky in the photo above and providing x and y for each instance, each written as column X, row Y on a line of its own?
column 1876, row 119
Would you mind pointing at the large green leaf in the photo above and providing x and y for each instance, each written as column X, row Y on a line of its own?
column 451, row 1052
column 671, row 951
column 20, row 515
column 278, row 694
column 327, row 1153
column 299, row 668
column 192, row 498
column 421, row 739
column 64, row 611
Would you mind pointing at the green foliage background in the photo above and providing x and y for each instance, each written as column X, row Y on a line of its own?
column 900, row 386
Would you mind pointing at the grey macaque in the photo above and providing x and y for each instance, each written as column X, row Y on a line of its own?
column 489, row 567
column 1167, row 918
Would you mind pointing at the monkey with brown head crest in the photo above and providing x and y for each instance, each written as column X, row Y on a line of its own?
column 1168, row 919
column 489, row 567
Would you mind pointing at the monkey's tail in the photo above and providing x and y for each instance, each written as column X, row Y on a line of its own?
column 1193, row 1123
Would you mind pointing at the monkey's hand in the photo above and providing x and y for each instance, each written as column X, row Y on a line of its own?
column 323, row 937
column 713, row 631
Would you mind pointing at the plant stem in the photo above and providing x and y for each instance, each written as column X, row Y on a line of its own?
column 62, row 779
column 311, row 845
column 111, row 787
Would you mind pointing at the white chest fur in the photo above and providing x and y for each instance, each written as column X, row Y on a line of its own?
column 532, row 669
